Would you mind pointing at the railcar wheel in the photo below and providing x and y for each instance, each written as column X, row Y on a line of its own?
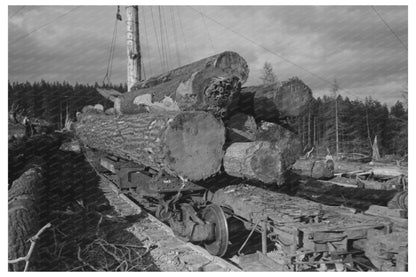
column 214, row 214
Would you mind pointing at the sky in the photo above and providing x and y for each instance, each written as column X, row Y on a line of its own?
column 352, row 44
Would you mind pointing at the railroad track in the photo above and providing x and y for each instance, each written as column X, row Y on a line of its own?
column 170, row 253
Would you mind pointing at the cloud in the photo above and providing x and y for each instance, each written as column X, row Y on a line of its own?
column 349, row 43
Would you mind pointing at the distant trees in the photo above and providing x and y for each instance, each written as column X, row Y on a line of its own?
column 268, row 77
column 358, row 124
column 53, row 101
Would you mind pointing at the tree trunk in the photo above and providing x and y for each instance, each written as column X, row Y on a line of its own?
column 187, row 144
column 273, row 103
column 318, row 169
column 376, row 153
column 211, row 84
column 23, row 218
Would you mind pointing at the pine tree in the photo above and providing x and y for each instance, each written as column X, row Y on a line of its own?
column 268, row 76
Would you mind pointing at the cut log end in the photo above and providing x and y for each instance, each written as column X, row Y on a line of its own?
column 260, row 160
column 186, row 144
column 195, row 142
column 318, row 169
column 268, row 165
column 275, row 103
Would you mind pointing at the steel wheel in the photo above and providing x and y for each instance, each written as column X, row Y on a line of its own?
column 214, row 214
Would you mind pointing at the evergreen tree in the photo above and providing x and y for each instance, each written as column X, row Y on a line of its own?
column 268, row 77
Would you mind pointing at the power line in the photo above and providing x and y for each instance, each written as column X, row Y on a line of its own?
column 270, row 51
column 44, row 25
column 388, row 26
column 265, row 48
column 183, row 33
column 206, row 28
column 17, row 12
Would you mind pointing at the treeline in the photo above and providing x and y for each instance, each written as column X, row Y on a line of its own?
column 358, row 121
column 55, row 101
column 358, row 124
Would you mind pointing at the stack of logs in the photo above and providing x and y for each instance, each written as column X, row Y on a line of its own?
column 197, row 119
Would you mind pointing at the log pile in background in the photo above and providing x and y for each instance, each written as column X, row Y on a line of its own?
column 186, row 144
column 23, row 217
column 334, row 195
column 318, row 169
column 211, row 84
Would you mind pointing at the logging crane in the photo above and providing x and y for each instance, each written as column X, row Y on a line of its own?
column 187, row 146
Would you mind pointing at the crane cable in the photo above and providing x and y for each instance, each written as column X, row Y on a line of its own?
column 162, row 33
column 161, row 57
column 175, row 36
column 107, row 76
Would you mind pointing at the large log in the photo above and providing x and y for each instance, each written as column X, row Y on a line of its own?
column 334, row 195
column 186, row 144
column 273, row 102
column 23, row 218
column 264, row 161
column 378, row 170
column 211, row 84
column 318, row 169
column 22, row 151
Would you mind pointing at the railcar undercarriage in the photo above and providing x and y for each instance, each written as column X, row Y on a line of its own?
column 255, row 227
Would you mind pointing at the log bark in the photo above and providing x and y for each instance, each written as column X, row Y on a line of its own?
column 186, row 144
column 260, row 160
column 211, row 84
column 318, row 169
column 273, row 103
column 399, row 201
column 23, row 217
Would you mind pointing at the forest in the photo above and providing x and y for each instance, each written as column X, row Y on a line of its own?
column 359, row 122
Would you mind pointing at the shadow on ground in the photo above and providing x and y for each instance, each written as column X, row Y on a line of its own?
column 87, row 234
